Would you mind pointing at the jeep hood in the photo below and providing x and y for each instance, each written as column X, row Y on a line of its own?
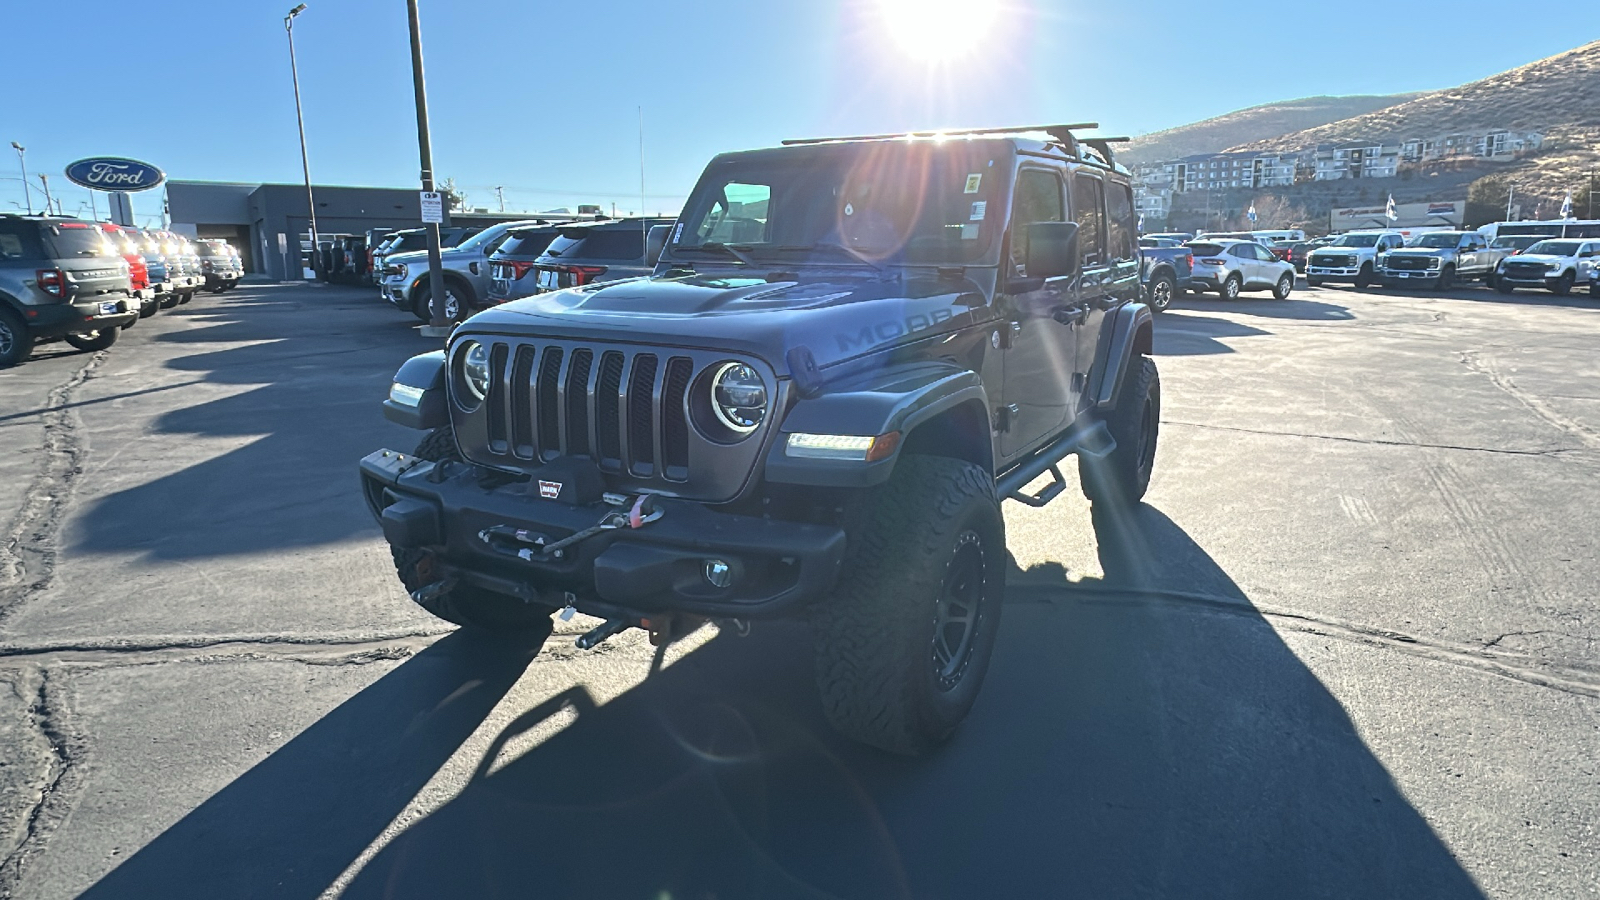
column 835, row 317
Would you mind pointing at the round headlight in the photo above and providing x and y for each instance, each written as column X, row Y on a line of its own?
column 739, row 397
column 475, row 370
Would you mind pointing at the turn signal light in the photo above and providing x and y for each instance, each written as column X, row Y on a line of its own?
column 865, row 448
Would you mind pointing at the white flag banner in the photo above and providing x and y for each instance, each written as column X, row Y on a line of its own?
column 1389, row 210
column 1566, row 206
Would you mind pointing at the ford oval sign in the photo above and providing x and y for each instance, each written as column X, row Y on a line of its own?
column 113, row 174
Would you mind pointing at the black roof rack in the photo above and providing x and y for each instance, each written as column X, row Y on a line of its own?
column 1062, row 136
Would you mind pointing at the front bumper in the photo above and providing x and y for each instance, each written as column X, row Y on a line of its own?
column 59, row 319
column 1525, row 281
column 1331, row 273
column 776, row 565
column 1423, row 275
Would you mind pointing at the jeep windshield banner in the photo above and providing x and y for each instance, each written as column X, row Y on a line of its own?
column 110, row 173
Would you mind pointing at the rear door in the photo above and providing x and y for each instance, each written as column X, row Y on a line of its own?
column 1242, row 257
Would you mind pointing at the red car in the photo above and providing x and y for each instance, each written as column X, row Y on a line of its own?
column 125, row 242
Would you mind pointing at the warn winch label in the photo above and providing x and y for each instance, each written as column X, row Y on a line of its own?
column 550, row 490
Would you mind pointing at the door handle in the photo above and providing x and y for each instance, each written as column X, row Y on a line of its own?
column 1069, row 315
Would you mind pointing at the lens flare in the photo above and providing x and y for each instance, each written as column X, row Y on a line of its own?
column 938, row 30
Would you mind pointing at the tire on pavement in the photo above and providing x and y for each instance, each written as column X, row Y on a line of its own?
column 1563, row 285
column 1282, row 289
column 16, row 341
column 1230, row 288
column 1313, row 281
column 484, row 612
column 1364, row 277
column 902, row 646
column 1162, row 291
column 1447, row 278
column 1121, row 477
column 94, row 340
column 455, row 291
column 1504, row 287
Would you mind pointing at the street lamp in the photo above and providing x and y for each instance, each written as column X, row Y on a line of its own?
column 305, row 161
column 26, row 194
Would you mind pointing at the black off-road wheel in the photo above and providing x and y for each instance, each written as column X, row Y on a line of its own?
column 1504, row 287
column 903, row 644
column 1121, row 477
column 16, row 341
column 170, row 300
column 1563, row 285
column 1163, row 289
column 94, row 340
column 485, row 612
column 1313, row 281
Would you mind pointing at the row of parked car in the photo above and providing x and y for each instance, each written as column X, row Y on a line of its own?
column 84, row 282
column 513, row 260
column 1230, row 264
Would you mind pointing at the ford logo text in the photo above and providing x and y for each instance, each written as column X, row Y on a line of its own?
column 114, row 174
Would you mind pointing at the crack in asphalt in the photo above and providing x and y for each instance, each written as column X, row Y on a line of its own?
column 1570, row 680
column 32, row 536
column 1485, row 366
column 1377, row 441
column 256, row 646
column 60, row 780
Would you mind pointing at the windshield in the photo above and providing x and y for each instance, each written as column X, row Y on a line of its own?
column 1555, row 248
column 1356, row 240
column 1443, row 240
column 1517, row 242
column 900, row 202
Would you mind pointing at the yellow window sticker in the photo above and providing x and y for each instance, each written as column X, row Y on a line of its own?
column 973, row 181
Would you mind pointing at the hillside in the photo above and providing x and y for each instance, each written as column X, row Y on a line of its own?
column 1256, row 123
column 1561, row 91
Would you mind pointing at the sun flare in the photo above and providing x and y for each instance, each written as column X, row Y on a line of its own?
column 938, row 30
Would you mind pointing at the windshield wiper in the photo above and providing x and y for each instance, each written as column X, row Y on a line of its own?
column 738, row 253
column 834, row 246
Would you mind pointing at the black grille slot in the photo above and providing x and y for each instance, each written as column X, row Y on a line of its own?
column 641, row 414
column 608, row 410
column 577, row 388
column 522, row 403
column 675, row 419
column 497, row 399
column 549, row 410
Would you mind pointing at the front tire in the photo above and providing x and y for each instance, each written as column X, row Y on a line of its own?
column 902, row 647
column 464, row 605
column 1285, row 285
column 458, row 301
column 1313, row 281
column 94, row 340
column 1364, row 277
column 1230, row 288
column 1163, row 289
column 1447, row 279
column 1504, row 287
column 1563, row 285
column 1121, row 477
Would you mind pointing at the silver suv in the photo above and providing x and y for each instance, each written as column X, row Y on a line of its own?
column 1231, row 266
column 466, row 275
column 59, row 280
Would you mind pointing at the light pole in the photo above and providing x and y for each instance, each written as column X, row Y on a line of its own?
column 44, row 180
column 305, row 161
column 438, row 321
column 26, row 194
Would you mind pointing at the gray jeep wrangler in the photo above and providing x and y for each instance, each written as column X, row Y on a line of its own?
column 850, row 351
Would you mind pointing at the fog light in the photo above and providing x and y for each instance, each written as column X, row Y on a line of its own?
column 719, row 573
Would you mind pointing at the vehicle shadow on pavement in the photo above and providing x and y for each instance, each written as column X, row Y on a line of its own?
column 301, row 383
column 289, row 826
column 1194, row 335
column 1295, row 308
column 1127, row 743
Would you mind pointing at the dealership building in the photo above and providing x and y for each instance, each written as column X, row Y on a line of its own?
column 266, row 222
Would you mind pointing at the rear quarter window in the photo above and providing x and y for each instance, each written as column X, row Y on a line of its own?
column 526, row 243
column 599, row 244
column 20, row 240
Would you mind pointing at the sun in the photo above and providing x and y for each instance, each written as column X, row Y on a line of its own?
column 938, row 30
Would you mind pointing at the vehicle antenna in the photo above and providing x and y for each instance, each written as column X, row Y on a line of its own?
column 644, row 225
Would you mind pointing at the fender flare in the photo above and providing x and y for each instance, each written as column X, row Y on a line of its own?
column 947, row 402
column 425, row 373
column 1130, row 333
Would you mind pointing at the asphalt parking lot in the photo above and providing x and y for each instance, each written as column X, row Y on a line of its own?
column 1347, row 647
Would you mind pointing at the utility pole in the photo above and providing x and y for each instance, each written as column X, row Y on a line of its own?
column 1511, row 191
column 305, row 161
column 26, row 194
column 45, row 180
column 438, row 322
column 500, row 194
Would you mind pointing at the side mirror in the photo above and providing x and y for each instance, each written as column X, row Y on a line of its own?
column 1052, row 249
column 655, row 243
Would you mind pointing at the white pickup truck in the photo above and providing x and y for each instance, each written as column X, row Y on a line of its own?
column 1355, row 256
column 1555, row 265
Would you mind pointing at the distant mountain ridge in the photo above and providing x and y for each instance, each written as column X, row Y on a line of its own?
column 1254, row 124
column 1559, row 92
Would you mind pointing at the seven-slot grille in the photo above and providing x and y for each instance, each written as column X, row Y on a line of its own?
column 625, row 409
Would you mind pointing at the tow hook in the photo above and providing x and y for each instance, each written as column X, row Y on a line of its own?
column 430, row 592
column 607, row 629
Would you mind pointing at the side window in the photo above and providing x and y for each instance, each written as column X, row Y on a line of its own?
column 1037, row 199
column 1088, row 206
column 1263, row 254
column 20, row 240
column 1119, row 218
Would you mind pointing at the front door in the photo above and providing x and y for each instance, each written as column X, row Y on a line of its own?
column 1039, row 356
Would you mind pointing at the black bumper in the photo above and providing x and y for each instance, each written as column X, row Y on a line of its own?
column 81, row 316
column 659, row 567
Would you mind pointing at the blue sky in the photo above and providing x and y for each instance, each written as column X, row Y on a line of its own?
column 543, row 97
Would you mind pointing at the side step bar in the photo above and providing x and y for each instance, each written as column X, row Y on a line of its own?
column 1091, row 440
